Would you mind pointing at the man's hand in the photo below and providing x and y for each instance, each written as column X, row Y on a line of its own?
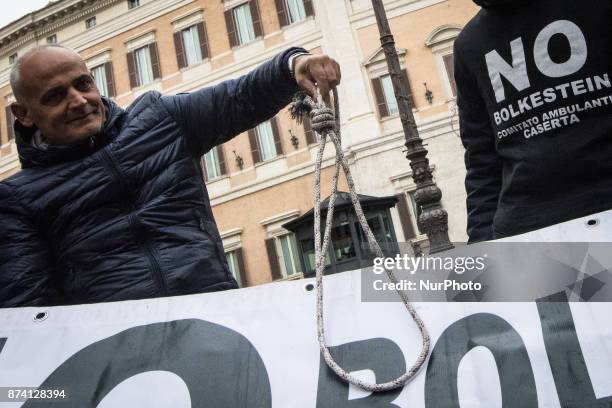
column 316, row 70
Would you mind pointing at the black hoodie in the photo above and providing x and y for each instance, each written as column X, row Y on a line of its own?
column 535, row 101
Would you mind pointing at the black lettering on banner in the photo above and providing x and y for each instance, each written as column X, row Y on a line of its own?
column 518, row 387
column 220, row 367
column 2, row 343
column 382, row 356
column 572, row 380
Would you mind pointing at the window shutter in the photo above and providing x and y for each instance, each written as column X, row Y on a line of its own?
column 201, row 27
column 383, row 111
column 221, row 159
column 449, row 63
column 254, row 146
column 276, row 133
column 240, row 257
column 256, row 19
column 155, row 60
column 281, row 10
column 308, row 8
column 132, row 69
column 273, row 259
column 308, row 132
column 408, row 88
column 10, row 122
column 231, row 28
column 404, row 215
column 180, row 50
column 204, row 172
column 110, row 79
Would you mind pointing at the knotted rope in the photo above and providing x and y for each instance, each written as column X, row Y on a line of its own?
column 326, row 124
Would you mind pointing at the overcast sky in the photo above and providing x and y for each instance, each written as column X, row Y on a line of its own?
column 13, row 9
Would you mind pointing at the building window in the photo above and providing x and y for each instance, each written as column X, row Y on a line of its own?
column 389, row 95
column 191, row 40
column 265, row 141
column 214, row 163
column 289, row 260
column 292, row 11
column 385, row 96
column 10, row 122
column 416, row 211
column 144, row 67
column 234, row 261
column 143, row 61
column 283, row 256
column 133, row 3
column 99, row 74
column 449, row 64
column 405, row 212
column 296, row 10
column 12, row 58
column 90, row 22
column 243, row 23
column 103, row 76
column 52, row 39
column 191, row 45
column 408, row 212
column 441, row 42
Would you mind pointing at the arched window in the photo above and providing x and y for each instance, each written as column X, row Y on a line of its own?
column 382, row 88
column 441, row 41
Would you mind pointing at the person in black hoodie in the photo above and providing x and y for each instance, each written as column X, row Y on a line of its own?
column 535, row 104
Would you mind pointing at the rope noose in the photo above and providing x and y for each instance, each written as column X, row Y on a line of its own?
column 326, row 124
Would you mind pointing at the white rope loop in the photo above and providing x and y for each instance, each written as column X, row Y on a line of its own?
column 326, row 124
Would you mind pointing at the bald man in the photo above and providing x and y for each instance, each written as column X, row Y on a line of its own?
column 111, row 204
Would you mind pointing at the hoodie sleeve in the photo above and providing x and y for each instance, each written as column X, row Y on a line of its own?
column 24, row 261
column 484, row 168
column 213, row 115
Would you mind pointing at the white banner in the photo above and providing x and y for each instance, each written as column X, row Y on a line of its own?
column 256, row 347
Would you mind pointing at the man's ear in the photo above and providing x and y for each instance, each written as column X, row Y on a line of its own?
column 22, row 114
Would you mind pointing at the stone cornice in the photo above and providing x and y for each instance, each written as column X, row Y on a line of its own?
column 47, row 20
column 122, row 23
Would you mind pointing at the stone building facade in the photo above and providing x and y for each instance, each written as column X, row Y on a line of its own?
column 263, row 178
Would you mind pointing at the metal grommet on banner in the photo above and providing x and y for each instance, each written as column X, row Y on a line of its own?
column 40, row 316
column 592, row 222
column 309, row 287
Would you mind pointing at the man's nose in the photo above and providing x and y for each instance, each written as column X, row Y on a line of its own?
column 76, row 98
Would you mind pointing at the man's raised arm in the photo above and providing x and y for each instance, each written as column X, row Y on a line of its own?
column 213, row 115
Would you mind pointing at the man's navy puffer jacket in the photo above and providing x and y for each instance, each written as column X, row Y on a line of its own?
column 126, row 215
